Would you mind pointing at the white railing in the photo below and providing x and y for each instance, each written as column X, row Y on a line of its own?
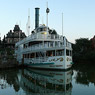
column 68, row 44
column 61, row 43
column 43, row 37
column 40, row 46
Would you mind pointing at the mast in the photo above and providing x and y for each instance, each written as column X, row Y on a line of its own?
column 28, row 23
column 62, row 24
column 47, row 11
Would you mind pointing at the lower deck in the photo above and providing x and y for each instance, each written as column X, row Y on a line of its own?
column 56, row 62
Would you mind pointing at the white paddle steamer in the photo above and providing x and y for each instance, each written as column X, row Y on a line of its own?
column 44, row 48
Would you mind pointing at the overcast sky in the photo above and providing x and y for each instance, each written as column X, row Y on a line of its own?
column 79, row 16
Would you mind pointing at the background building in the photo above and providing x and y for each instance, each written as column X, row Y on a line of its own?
column 13, row 36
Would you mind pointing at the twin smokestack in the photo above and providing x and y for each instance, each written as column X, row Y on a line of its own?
column 36, row 17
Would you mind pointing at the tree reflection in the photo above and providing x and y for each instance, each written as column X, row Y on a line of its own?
column 9, row 78
column 85, row 74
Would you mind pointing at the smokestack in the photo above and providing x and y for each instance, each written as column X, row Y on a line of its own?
column 36, row 17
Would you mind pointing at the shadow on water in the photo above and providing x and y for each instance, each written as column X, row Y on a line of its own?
column 85, row 73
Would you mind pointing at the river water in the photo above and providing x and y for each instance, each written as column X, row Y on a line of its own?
column 78, row 81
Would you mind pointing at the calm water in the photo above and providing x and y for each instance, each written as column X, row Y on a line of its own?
column 80, row 81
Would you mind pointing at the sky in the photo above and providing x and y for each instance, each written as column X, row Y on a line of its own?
column 78, row 16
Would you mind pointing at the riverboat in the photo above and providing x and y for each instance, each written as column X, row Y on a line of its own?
column 44, row 48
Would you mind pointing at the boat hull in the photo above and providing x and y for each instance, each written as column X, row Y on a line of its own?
column 53, row 63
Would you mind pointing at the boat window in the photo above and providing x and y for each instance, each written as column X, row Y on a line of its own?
column 37, row 54
column 53, row 53
column 56, row 44
column 50, row 53
column 51, row 44
column 28, row 56
column 59, row 52
column 41, row 29
column 44, row 29
column 25, row 56
column 70, row 53
column 67, row 52
column 61, row 43
column 24, row 45
column 32, row 55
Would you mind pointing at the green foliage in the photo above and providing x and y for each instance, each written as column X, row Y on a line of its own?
column 4, row 41
column 50, row 31
column 82, row 45
column 8, row 52
column 54, row 32
column 90, row 56
column 82, row 51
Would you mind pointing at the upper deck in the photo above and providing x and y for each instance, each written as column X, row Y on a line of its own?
column 36, row 37
column 45, row 39
column 42, row 33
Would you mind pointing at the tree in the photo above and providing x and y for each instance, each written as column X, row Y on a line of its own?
column 54, row 32
column 81, row 49
column 4, row 41
column 82, row 45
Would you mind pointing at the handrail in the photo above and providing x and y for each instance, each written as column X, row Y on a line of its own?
column 36, row 47
column 36, row 36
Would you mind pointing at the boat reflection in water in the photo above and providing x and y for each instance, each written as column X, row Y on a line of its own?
column 46, row 82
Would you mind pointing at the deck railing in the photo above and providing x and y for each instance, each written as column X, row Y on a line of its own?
column 43, row 37
column 45, row 46
column 39, row 47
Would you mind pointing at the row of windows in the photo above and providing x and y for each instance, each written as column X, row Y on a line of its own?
column 48, row 54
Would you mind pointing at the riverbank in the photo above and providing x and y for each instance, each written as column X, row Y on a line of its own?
column 7, row 58
column 10, row 63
